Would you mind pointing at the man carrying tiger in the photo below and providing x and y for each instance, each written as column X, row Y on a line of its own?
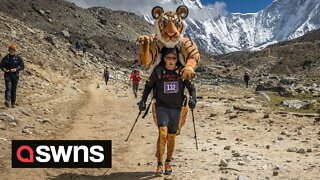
column 170, row 28
column 168, row 88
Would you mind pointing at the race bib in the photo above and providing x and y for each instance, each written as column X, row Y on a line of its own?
column 171, row 87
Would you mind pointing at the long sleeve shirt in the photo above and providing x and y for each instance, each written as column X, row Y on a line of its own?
column 168, row 88
column 135, row 78
column 12, row 62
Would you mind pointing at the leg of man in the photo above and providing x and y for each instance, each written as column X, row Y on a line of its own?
column 106, row 79
column 135, row 89
column 14, row 82
column 163, row 119
column 8, row 89
column 173, row 126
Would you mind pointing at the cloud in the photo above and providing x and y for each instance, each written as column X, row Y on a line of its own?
column 144, row 7
column 209, row 12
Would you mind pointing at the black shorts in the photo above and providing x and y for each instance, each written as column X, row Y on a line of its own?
column 168, row 117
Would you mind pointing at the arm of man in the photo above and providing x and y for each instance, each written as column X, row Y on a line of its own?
column 191, row 88
column 192, row 92
column 20, row 66
column 3, row 64
column 150, row 83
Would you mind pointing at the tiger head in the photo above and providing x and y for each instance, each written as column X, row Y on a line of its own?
column 170, row 26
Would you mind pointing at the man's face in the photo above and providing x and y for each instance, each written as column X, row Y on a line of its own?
column 12, row 52
column 171, row 61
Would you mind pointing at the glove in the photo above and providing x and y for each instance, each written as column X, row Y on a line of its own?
column 142, row 105
column 192, row 102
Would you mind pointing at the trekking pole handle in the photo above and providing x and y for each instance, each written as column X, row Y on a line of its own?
column 147, row 110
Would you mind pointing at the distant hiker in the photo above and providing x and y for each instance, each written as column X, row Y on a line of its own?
column 11, row 64
column 84, row 52
column 78, row 47
column 106, row 75
column 246, row 79
column 135, row 78
column 168, row 88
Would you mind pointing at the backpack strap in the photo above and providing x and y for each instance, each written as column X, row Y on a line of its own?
column 159, row 70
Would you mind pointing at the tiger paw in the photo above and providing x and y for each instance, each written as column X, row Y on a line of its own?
column 188, row 73
column 144, row 40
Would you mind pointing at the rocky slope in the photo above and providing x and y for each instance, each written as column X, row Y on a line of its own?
column 300, row 57
column 53, row 76
column 108, row 34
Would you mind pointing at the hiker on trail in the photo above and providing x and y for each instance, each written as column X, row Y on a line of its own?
column 84, row 52
column 135, row 78
column 246, row 79
column 78, row 47
column 11, row 65
column 106, row 75
column 168, row 88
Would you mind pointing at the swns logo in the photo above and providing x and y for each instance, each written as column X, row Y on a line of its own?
column 61, row 154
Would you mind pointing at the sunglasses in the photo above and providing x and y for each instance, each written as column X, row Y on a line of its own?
column 170, row 58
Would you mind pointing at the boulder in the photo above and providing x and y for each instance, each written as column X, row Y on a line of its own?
column 288, row 81
column 65, row 33
column 298, row 104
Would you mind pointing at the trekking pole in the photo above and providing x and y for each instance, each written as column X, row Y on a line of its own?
column 133, row 125
column 194, row 127
column 147, row 110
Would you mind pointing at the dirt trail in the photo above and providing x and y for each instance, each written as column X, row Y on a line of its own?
column 107, row 113
column 104, row 113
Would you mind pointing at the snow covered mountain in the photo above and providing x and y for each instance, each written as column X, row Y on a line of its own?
column 282, row 20
column 216, row 31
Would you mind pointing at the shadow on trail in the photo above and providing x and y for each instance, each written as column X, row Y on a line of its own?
column 115, row 176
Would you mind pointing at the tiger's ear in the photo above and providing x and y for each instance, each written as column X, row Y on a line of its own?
column 182, row 11
column 156, row 12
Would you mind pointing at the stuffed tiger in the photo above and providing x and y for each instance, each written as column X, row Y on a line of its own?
column 169, row 33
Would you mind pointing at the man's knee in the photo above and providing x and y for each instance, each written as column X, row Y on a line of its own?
column 162, row 124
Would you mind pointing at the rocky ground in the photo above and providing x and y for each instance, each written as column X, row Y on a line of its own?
column 238, row 137
column 242, row 134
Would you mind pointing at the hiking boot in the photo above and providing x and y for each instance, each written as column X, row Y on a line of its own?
column 159, row 170
column 167, row 168
column 7, row 104
column 13, row 105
